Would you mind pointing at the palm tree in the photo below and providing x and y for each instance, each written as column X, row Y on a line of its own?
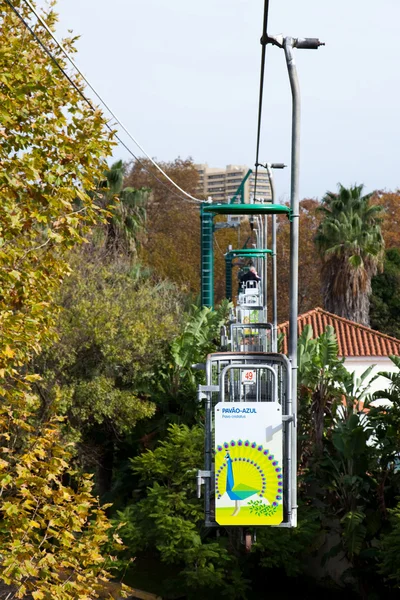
column 128, row 211
column 351, row 246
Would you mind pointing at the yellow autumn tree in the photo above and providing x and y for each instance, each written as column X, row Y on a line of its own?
column 53, row 148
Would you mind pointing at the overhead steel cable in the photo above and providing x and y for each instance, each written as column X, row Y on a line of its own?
column 263, row 42
column 188, row 197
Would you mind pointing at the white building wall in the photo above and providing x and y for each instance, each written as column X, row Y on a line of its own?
column 359, row 364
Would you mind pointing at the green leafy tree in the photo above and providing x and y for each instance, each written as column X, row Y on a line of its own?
column 113, row 333
column 347, row 480
column 173, row 389
column 284, row 549
column 176, row 391
column 386, row 421
column 351, row 245
column 349, row 483
column 390, row 550
column 167, row 520
column 385, row 299
column 351, row 476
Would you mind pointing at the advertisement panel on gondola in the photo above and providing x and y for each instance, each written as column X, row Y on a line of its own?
column 248, row 463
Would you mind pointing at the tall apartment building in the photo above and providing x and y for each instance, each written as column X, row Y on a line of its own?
column 221, row 184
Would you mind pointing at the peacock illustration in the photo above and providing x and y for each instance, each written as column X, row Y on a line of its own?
column 244, row 469
column 237, row 492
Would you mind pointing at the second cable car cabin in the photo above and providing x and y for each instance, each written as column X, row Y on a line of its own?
column 248, row 331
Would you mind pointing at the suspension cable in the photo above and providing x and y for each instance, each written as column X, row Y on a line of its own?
column 189, row 197
column 263, row 42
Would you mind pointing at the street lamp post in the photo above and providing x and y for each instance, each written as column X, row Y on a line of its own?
column 288, row 44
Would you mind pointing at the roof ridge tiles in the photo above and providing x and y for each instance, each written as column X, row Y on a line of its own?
column 320, row 310
column 353, row 338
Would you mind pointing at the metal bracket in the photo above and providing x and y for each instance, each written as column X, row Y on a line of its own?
column 211, row 524
column 288, row 418
column 199, row 366
column 226, row 226
column 208, row 388
column 202, row 391
column 275, row 40
column 201, row 476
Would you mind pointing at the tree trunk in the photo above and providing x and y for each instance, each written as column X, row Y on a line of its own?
column 347, row 292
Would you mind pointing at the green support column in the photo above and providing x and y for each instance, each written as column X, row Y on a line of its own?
column 207, row 258
column 228, row 277
column 238, row 198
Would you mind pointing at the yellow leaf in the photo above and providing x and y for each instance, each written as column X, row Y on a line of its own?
column 34, row 524
column 33, row 377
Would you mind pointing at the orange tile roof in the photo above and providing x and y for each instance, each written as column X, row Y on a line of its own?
column 353, row 339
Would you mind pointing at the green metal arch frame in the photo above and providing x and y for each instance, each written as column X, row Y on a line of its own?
column 261, row 256
column 239, row 195
column 250, row 252
column 247, row 209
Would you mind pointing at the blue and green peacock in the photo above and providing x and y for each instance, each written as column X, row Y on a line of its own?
column 244, row 469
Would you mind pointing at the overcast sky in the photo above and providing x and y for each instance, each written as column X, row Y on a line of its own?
column 183, row 76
